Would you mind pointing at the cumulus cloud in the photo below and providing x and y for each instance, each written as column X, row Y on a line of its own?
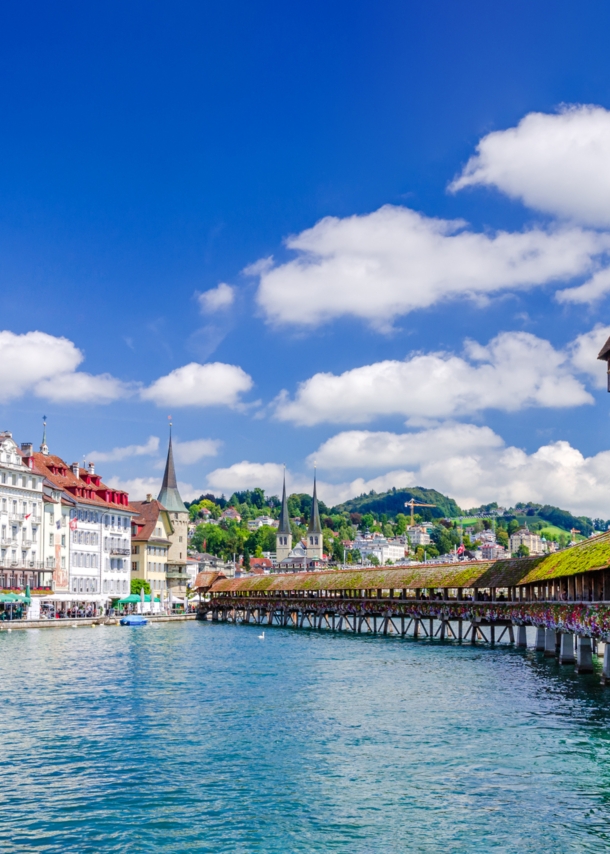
column 513, row 371
column 360, row 449
column 583, row 354
column 195, row 450
column 213, row 384
column 217, row 299
column 559, row 164
column 475, row 467
column 395, row 260
column 46, row 365
column 150, row 448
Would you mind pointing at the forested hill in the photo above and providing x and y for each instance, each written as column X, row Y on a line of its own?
column 393, row 502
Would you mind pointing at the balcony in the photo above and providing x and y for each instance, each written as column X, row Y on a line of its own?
column 50, row 563
column 8, row 541
column 115, row 550
column 16, row 517
column 9, row 563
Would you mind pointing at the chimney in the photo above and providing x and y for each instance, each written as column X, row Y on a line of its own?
column 75, row 469
column 148, row 498
column 91, row 468
column 27, row 448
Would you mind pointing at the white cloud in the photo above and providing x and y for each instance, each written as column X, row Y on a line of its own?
column 515, row 370
column 150, row 448
column 559, row 164
column 80, row 387
column 46, row 366
column 213, row 384
column 217, row 299
column 590, row 291
column 139, row 487
column 583, row 354
column 477, row 467
column 195, row 450
column 360, row 449
column 394, row 261
column 247, row 475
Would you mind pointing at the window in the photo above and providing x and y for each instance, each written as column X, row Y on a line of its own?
column 51, row 542
column 179, row 539
column 134, row 566
column 63, row 562
column 63, row 539
column 74, row 585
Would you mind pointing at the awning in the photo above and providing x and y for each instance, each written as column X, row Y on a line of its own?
column 93, row 598
column 134, row 598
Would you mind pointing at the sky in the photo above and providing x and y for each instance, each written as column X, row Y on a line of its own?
column 369, row 237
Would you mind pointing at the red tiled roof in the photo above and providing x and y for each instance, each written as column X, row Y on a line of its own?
column 85, row 489
column 146, row 520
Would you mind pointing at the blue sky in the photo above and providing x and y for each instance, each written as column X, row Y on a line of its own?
column 166, row 178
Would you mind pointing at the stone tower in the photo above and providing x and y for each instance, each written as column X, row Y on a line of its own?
column 170, row 498
column 283, row 539
column 315, row 548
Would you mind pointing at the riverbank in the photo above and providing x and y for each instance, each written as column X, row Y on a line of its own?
column 87, row 622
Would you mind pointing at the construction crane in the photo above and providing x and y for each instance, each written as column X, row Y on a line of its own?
column 413, row 503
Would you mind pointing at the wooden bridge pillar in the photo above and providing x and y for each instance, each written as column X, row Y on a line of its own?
column 549, row 643
column 566, row 652
column 522, row 636
column 584, row 657
column 606, row 665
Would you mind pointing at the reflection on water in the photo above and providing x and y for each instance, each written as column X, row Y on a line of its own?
column 199, row 737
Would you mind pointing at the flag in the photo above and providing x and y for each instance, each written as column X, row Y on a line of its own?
column 58, row 524
column 461, row 550
column 28, row 516
column 73, row 524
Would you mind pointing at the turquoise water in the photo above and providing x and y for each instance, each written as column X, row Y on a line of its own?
column 198, row 737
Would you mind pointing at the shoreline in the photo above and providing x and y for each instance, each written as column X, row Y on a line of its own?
column 85, row 622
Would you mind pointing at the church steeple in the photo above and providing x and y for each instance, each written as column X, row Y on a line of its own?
column 44, row 448
column 169, row 495
column 315, row 546
column 283, row 539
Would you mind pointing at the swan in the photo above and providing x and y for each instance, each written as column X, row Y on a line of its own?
column 261, row 637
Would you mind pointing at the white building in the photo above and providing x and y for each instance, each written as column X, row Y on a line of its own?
column 88, row 528
column 418, row 536
column 526, row 538
column 381, row 548
column 255, row 524
column 21, row 520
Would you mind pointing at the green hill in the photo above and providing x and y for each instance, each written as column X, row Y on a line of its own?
column 393, row 502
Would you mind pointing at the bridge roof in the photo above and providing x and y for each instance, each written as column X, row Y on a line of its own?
column 591, row 554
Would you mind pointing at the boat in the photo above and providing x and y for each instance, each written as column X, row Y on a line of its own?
column 134, row 620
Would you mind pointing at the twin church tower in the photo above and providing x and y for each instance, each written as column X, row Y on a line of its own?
column 314, row 550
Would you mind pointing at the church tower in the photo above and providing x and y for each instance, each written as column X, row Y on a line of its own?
column 315, row 547
column 170, row 498
column 283, row 539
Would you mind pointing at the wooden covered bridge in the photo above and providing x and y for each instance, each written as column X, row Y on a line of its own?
column 565, row 595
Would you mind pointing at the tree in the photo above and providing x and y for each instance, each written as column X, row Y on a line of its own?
column 401, row 524
column 502, row 537
column 513, row 526
column 523, row 550
column 137, row 584
column 373, row 559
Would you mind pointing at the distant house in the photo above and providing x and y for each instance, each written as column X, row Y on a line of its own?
column 493, row 551
column 255, row 524
column 231, row 515
column 526, row 538
column 208, row 563
column 418, row 535
column 262, row 564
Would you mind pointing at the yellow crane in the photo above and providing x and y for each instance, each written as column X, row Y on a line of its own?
column 413, row 503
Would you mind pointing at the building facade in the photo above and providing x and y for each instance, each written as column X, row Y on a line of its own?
column 21, row 520
column 523, row 537
column 151, row 531
column 87, row 527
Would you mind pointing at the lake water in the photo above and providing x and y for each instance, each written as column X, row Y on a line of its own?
column 190, row 737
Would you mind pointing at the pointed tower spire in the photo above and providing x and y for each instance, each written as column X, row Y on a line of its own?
column 284, row 525
column 283, row 538
column 169, row 496
column 44, row 448
column 315, row 526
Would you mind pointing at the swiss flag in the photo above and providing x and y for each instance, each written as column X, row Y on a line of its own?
column 73, row 524
column 461, row 550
